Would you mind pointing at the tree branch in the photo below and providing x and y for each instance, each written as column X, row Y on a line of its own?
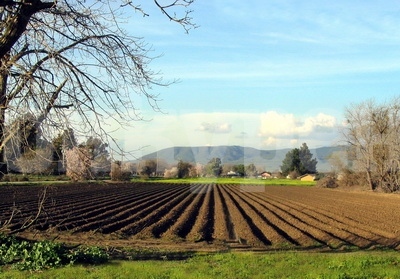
column 185, row 20
column 17, row 23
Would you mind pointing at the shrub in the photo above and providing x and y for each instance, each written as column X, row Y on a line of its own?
column 327, row 182
column 42, row 255
column 15, row 178
column 90, row 255
column 118, row 173
column 171, row 173
column 350, row 178
column 294, row 174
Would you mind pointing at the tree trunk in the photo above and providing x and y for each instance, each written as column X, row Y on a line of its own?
column 16, row 23
column 372, row 185
column 3, row 104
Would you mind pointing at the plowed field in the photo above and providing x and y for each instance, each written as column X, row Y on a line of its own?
column 232, row 216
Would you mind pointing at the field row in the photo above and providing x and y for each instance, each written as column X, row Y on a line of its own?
column 239, row 216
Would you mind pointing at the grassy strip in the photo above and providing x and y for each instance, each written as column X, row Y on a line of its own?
column 240, row 181
column 371, row 264
column 19, row 179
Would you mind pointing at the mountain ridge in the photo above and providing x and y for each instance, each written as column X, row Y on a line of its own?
column 234, row 154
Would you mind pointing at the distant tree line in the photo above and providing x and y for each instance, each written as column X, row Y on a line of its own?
column 214, row 168
column 29, row 152
column 297, row 162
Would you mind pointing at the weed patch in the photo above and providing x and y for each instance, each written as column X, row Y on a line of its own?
column 25, row 255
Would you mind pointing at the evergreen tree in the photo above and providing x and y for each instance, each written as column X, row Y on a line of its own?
column 307, row 163
column 291, row 162
column 239, row 169
column 299, row 160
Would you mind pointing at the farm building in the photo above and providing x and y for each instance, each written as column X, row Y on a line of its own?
column 232, row 174
column 265, row 175
column 307, row 177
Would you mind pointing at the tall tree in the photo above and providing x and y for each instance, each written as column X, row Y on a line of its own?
column 251, row 170
column 60, row 144
column 373, row 135
column 99, row 155
column 291, row 162
column 299, row 160
column 239, row 169
column 308, row 164
column 62, row 54
column 214, row 167
column 184, row 169
column 148, row 167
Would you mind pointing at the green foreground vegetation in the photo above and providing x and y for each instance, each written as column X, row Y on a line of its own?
column 367, row 264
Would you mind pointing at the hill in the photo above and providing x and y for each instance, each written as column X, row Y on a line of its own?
column 269, row 159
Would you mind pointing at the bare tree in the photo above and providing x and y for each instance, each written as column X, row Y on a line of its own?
column 148, row 167
column 68, row 63
column 78, row 163
column 373, row 135
column 121, row 171
column 171, row 173
column 35, row 162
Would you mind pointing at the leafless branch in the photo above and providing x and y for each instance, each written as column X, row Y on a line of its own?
column 27, row 222
column 56, row 55
column 185, row 20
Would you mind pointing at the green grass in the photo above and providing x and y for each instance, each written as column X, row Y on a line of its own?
column 19, row 179
column 240, row 181
column 371, row 264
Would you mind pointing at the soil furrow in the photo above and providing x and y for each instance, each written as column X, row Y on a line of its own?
column 117, row 211
column 141, row 212
column 216, row 215
column 203, row 228
column 147, row 217
column 319, row 221
column 373, row 235
column 284, row 222
column 186, row 220
column 99, row 210
column 275, row 234
column 224, row 228
column 246, row 231
column 173, row 215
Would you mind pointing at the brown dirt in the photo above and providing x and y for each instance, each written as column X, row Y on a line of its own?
column 207, row 217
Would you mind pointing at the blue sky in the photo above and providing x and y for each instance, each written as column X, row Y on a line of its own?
column 266, row 74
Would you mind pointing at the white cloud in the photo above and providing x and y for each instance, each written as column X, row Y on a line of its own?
column 215, row 127
column 287, row 125
column 270, row 141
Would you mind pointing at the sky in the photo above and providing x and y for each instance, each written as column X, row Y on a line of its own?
column 263, row 73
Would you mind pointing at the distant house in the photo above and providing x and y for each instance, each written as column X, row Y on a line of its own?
column 265, row 175
column 232, row 174
column 307, row 177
